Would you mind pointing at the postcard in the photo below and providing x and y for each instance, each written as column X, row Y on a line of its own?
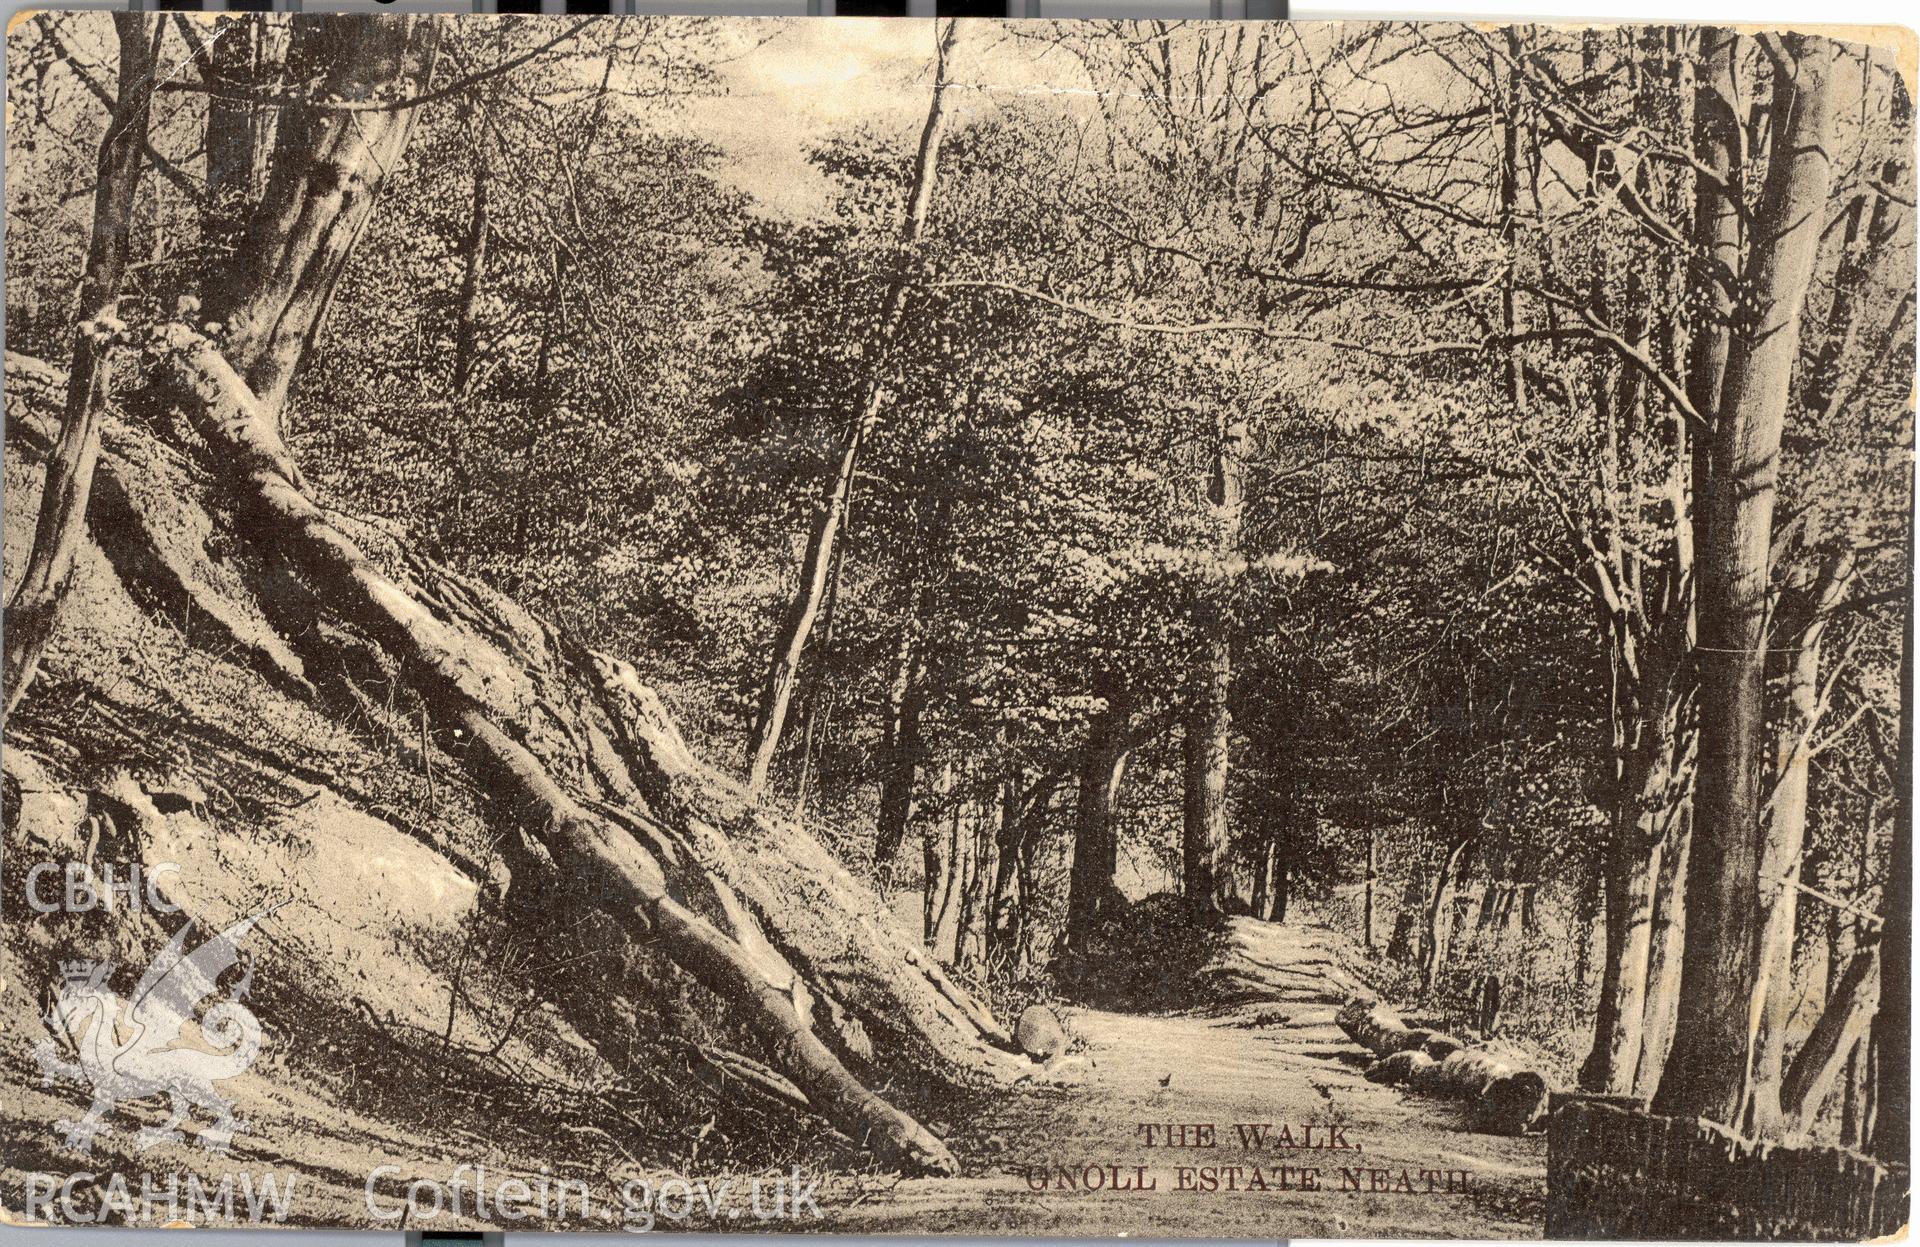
column 1017, row 628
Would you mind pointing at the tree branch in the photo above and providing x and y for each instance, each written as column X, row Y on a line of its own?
column 297, row 100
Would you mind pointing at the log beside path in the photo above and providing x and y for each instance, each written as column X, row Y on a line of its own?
column 1503, row 1098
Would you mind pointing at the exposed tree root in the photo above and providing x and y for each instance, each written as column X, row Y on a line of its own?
column 621, row 811
column 157, row 548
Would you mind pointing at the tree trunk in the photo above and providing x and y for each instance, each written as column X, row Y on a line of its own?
column 1271, row 857
column 1379, row 1029
column 1617, row 1032
column 1103, row 766
column 953, row 881
column 1203, row 840
column 1842, row 1026
column 803, row 611
column 466, row 339
column 1003, row 893
column 1209, row 722
column 68, row 483
column 1708, row 1068
column 1403, row 944
column 1800, row 623
column 1719, row 145
column 1893, row 1026
column 1373, row 877
column 1260, row 896
column 1506, row 1100
column 1665, row 955
column 330, row 161
column 1852, row 1133
column 473, row 271
column 1013, row 864
column 818, row 709
column 1433, row 950
column 936, row 864
column 540, row 403
column 230, row 66
column 1643, row 814
column 900, row 753
column 1272, row 879
column 970, row 944
column 1493, row 902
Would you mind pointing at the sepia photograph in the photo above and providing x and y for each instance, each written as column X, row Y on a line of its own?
column 927, row 626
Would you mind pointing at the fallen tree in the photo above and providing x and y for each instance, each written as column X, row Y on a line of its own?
column 1379, row 1029
column 1503, row 1099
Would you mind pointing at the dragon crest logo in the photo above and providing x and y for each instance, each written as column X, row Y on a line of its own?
column 133, row 1048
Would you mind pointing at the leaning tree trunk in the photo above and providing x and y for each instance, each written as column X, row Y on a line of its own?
column 583, row 759
column 783, row 676
column 1707, row 1070
column 579, row 758
column 69, row 470
column 336, row 145
column 1843, row 1024
column 1434, row 949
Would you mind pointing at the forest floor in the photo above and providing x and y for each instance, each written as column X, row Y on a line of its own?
column 1094, row 1139
column 1096, row 1147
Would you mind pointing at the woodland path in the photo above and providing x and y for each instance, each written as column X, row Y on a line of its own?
column 1275, row 1060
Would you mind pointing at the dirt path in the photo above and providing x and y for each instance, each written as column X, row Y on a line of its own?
column 1276, row 1063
